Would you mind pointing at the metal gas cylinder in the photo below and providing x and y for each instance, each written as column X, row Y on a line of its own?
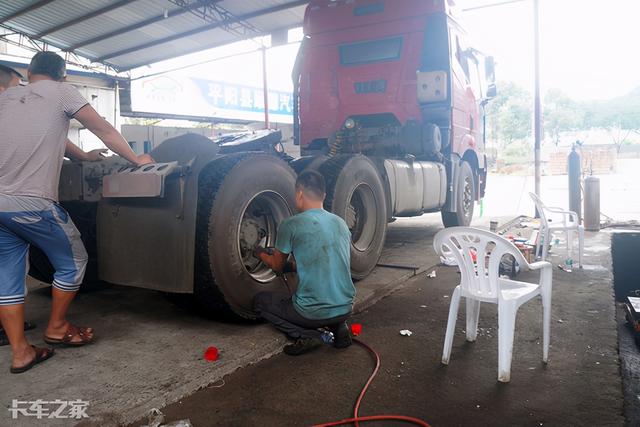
column 592, row 203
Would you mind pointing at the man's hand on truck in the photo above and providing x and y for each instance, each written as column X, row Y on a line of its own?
column 144, row 159
column 76, row 153
column 109, row 135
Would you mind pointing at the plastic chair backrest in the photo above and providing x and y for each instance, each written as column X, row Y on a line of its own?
column 540, row 208
column 478, row 254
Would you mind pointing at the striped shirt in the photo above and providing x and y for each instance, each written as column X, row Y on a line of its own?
column 34, row 122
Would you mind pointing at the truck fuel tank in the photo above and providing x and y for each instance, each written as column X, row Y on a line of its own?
column 416, row 186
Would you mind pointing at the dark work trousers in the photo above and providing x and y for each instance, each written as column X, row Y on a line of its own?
column 277, row 308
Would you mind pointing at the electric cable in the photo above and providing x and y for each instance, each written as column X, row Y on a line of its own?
column 356, row 419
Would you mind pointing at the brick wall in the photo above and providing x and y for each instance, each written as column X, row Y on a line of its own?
column 601, row 159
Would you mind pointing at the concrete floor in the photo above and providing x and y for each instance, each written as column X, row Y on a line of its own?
column 149, row 351
column 150, row 354
column 581, row 384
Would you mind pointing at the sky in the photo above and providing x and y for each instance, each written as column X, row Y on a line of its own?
column 587, row 48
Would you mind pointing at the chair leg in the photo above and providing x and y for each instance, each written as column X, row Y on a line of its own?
column 538, row 245
column 506, row 330
column 473, row 314
column 451, row 325
column 545, row 244
column 546, row 325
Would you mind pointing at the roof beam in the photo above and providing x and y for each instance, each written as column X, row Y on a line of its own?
column 79, row 19
column 207, row 27
column 133, row 27
column 198, row 49
column 28, row 9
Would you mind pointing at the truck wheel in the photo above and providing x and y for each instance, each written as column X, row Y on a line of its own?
column 242, row 199
column 355, row 193
column 466, row 197
column 41, row 269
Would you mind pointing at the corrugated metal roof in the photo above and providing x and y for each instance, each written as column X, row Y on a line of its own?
column 126, row 34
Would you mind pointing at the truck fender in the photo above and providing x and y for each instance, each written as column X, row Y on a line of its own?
column 452, row 165
column 160, row 231
column 379, row 162
column 471, row 157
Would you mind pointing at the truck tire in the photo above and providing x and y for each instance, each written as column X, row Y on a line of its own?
column 355, row 193
column 308, row 162
column 242, row 199
column 466, row 196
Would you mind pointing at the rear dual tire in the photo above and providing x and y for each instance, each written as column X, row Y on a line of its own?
column 355, row 193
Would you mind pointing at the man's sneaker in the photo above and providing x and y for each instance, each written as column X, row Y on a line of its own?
column 302, row 345
column 326, row 337
column 341, row 335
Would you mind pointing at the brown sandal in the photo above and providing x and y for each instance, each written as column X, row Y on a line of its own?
column 72, row 331
column 42, row 354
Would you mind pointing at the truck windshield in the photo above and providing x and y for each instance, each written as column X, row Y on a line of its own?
column 371, row 51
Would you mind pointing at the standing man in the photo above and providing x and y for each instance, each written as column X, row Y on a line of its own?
column 321, row 243
column 34, row 121
column 9, row 77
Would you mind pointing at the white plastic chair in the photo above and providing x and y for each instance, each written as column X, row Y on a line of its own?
column 480, row 282
column 567, row 222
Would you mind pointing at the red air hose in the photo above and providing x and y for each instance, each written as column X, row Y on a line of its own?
column 356, row 418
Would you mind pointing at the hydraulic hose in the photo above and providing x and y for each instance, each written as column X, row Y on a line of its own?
column 356, row 419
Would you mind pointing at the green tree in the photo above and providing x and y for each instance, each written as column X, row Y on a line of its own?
column 509, row 114
column 561, row 114
column 619, row 116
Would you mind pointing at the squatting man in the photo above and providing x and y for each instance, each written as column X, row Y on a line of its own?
column 320, row 244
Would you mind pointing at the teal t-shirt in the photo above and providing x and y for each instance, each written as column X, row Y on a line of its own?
column 320, row 242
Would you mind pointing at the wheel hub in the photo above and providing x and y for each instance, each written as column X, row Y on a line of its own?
column 467, row 197
column 258, row 227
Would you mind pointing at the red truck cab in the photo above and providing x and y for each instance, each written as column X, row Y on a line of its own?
column 392, row 64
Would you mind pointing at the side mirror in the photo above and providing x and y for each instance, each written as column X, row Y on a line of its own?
column 492, row 91
column 490, row 75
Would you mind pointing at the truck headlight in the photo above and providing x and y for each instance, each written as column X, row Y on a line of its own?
column 350, row 124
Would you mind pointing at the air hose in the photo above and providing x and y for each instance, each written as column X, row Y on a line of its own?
column 356, row 418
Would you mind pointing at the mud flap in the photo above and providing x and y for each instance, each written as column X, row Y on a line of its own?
column 453, row 175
